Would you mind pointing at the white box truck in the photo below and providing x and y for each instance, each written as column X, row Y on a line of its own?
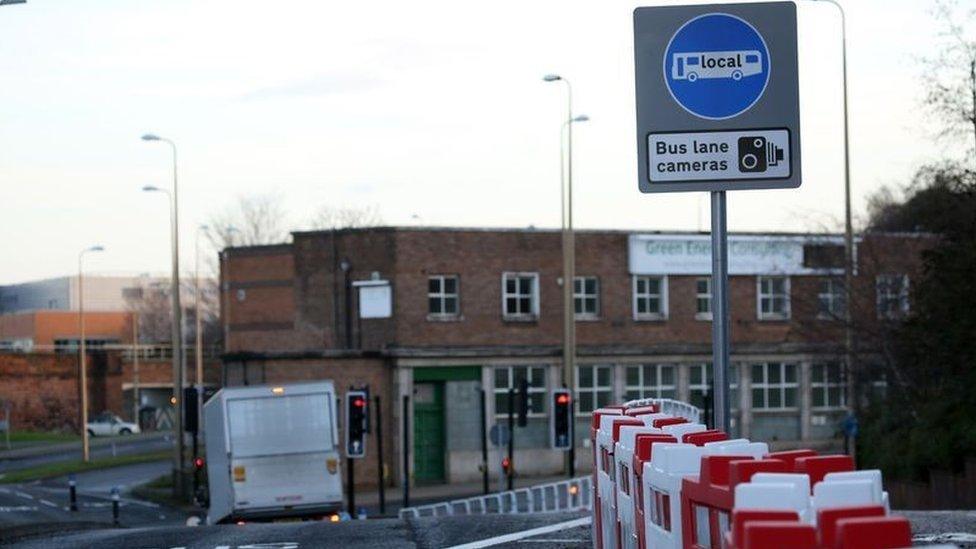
column 272, row 452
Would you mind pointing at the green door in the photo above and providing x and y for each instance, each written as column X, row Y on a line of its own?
column 428, row 431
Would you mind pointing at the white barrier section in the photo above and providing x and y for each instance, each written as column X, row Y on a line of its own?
column 879, row 496
column 800, row 495
column 737, row 447
column 606, row 480
column 670, row 462
column 627, row 484
column 681, row 429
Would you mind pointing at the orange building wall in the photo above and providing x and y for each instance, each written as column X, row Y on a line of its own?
column 46, row 326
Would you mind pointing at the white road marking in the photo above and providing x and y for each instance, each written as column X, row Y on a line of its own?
column 18, row 509
column 4, row 491
column 563, row 540
column 48, row 503
column 516, row 536
column 24, row 495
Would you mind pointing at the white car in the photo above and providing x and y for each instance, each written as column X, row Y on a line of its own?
column 107, row 424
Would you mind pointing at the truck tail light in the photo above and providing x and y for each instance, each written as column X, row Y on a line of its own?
column 333, row 465
column 240, row 474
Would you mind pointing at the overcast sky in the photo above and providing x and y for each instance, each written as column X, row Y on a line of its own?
column 428, row 109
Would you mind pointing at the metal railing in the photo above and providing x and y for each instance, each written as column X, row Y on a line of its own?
column 554, row 497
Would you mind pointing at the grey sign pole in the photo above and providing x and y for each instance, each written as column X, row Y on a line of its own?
column 720, row 311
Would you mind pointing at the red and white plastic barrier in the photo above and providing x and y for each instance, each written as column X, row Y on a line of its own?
column 664, row 481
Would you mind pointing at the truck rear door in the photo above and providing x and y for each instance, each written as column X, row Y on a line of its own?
column 283, row 452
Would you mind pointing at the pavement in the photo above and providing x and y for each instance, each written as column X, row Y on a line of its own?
column 32, row 456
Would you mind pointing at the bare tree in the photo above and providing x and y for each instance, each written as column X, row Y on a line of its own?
column 254, row 220
column 950, row 76
column 330, row 217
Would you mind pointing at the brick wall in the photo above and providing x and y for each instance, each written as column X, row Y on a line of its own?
column 43, row 388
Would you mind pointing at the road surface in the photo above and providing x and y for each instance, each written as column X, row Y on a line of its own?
column 537, row 531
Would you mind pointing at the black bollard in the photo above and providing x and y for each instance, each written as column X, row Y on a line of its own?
column 72, row 493
column 115, row 506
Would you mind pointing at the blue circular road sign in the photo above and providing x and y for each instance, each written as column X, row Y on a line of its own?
column 716, row 66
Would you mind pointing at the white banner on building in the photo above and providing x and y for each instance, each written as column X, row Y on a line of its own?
column 660, row 254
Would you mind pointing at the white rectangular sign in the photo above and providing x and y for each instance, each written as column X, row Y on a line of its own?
column 375, row 298
column 748, row 255
column 719, row 155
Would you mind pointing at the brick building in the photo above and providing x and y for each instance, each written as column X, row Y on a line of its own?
column 438, row 314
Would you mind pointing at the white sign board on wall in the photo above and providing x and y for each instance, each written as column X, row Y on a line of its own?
column 748, row 255
column 375, row 298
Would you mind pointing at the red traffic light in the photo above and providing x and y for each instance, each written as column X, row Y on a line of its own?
column 562, row 398
column 506, row 463
column 359, row 402
column 198, row 463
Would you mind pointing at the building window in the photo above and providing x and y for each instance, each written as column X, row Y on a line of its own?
column 831, row 300
column 700, row 384
column 509, row 377
column 774, row 297
column 703, row 298
column 827, row 385
column 892, row 295
column 774, row 386
column 520, row 296
column 586, row 296
column 442, row 296
column 650, row 297
column 650, row 381
column 594, row 387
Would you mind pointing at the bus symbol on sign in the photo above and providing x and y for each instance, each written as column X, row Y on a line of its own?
column 716, row 64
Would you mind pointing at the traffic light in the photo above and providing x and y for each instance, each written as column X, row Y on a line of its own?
column 562, row 417
column 191, row 410
column 198, row 463
column 357, row 412
column 506, row 466
column 523, row 402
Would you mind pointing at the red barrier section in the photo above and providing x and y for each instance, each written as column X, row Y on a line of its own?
column 709, row 492
column 665, row 421
column 735, row 538
column 790, row 456
column 642, row 410
column 818, row 466
column 644, row 450
column 779, row 535
column 594, row 427
column 702, row 437
column 874, row 533
column 742, row 471
column 827, row 520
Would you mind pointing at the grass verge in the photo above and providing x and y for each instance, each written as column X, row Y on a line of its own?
column 160, row 490
column 41, row 436
column 49, row 470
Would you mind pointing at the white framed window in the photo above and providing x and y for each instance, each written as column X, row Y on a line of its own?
column 594, row 387
column 520, row 296
column 774, row 386
column 703, row 298
column 831, row 299
column 443, row 296
column 509, row 377
column 650, row 297
column 700, row 384
column 827, row 385
column 773, row 297
column 892, row 291
column 649, row 381
column 586, row 296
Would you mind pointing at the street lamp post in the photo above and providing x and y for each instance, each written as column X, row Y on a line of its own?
column 199, row 314
column 568, row 250
column 177, row 323
column 83, row 355
column 848, row 222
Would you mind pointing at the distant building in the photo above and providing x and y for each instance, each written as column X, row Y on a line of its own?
column 435, row 316
column 42, row 315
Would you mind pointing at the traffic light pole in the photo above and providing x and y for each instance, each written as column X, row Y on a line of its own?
column 511, row 437
column 350, row 481
column 379, row 456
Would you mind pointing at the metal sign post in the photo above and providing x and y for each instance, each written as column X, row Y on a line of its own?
column 717, row 91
